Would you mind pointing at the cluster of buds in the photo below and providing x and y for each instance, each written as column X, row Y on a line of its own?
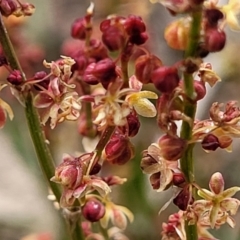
column 213, row 37
column 218, row 131
column 94, row 88
column 16, row 8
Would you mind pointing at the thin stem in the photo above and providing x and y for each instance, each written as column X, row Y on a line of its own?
column 41, row 148
column 8, row 48
column 186, row 161
column 106, row 135
column 39, row 141
column 43, row 153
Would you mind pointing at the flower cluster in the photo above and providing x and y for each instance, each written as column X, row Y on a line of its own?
column 93, row 84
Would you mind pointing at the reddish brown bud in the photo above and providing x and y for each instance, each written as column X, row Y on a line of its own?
column 119, row 150
column 95, row 169
column 113, row 38
column 138, row 39
column 79, row 30
column 172, row 148
column 179, row 179
column 213, row 15
column 81, row 63
column 144, row 67
column 104, row 70
column 15, row 77
column 69, row 173
column 183, row 199
column 215, row 39
column 155, row 180
column 225, row 141
column 191, row 65
column 134, row 25
column 210, row 142
column 97, row 50
column 202, row 50
column 165, row 79
column 200, row 89
column 132, row 126
column 88, row 76
column 93, row 210
column 41, row 75
column 8, row 7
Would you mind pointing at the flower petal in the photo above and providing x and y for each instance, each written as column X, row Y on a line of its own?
column 145, row 108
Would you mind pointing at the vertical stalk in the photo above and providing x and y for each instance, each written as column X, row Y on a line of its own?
column 186, row 162
column 40, row 144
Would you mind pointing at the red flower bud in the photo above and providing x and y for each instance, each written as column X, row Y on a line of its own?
column 165, row 79
column 179, row 179
column 97, row 50
column 38, row 76
column 215, row 40
column 144, row 67
column 104, row 70
column 155, row 180
column 8, row 7
column 113, row 38
column 95, row 169
column 172, row 148
column 69, row 173
column 213, row 15
column 134, row 25
column 15, row 77
column 210, row 142
column 183, row 199
column 119, row 150
column 133, row 125
column 88, row 76
column 200, row 89
column 138, row 39
column 93, row 210
column 79, row 30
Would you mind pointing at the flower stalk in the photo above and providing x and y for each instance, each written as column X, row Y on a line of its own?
column 40, row 143
column 187, row 162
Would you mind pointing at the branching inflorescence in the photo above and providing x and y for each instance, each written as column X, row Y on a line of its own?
column 95, row 87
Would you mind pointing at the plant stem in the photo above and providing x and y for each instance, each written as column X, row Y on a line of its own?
column 106, row 135
column 39, row 141
column 186, row 161
column 42, row 150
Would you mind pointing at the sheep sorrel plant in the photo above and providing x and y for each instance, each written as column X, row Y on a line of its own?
column 100, row 83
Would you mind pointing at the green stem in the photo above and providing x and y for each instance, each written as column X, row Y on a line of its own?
column 41, row 148
column 39, row 141
column 186, row 162
column 43, row 153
